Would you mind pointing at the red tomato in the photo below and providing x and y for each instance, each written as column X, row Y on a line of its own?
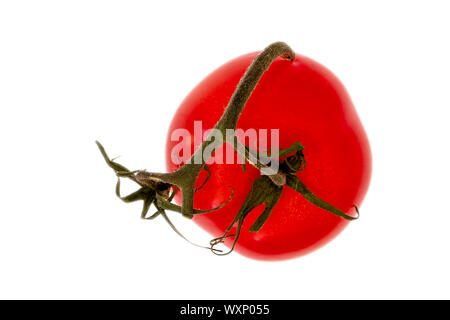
column 307, row 103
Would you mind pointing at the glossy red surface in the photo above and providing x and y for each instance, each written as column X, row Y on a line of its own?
column 307, row 103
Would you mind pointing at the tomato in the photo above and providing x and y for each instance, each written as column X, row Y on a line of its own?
column 307, row 103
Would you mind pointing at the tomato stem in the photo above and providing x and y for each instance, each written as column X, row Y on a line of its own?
column 186, row 176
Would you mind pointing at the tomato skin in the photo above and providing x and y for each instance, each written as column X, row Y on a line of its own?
column 307, row 103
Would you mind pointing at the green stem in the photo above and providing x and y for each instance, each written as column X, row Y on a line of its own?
column 186, row 176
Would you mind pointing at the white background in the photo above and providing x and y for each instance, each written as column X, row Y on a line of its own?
column 72, row 72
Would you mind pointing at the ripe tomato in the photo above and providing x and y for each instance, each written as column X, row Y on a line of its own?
column 307, row 103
